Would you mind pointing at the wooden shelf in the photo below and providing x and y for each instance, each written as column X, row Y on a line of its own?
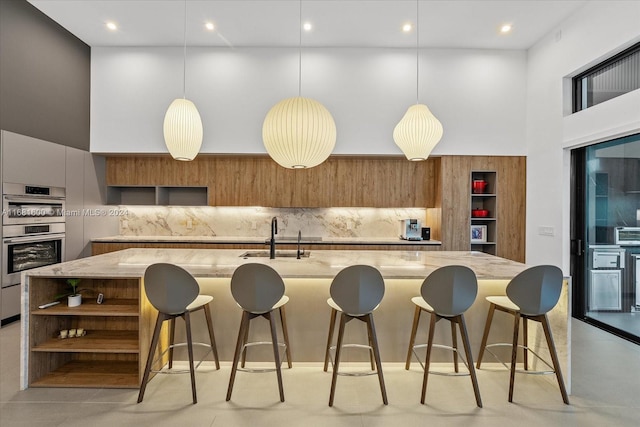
column 118, row 332
column 110, row 307
column 94, row 342
column 95, row 373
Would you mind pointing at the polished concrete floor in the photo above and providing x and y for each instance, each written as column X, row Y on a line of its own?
column 628, row 322
column 605, row 382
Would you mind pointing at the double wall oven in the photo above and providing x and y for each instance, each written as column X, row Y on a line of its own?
column 33, row 235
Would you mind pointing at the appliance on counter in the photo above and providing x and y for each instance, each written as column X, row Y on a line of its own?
column 426, row 233
column 627, row 236
column 33, row 235
column 410, row 229
column 606, row 278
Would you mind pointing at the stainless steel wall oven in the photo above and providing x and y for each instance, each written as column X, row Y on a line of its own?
column 29, row 204
column 30, row 246
column 33, row 235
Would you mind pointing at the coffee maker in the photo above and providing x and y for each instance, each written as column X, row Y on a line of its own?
column 410, row 229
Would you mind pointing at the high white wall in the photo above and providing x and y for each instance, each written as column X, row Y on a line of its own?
column 490, row 102
column 478, row 95
column 596, row 31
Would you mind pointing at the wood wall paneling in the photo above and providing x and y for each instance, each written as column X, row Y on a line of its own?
column 259, row 181
column 511, row 203
column 442, row 185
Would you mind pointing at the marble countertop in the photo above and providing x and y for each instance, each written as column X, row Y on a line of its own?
column 131, row 263
column 282, row 240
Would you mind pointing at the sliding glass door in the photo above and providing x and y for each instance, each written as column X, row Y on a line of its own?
column 606, row 235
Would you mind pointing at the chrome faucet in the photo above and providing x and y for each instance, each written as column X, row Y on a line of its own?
column 298, row 253
column 272, row 242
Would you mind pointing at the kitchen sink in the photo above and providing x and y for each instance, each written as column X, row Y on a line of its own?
column 279, row 254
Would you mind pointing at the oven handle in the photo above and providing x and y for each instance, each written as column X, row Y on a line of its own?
column 21, row 197
column 35, row 238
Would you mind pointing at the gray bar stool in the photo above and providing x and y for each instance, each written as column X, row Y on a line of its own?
column 355, row 292
column 530, row 296
column 446, row 293
column 259, row 290
column 174, row 292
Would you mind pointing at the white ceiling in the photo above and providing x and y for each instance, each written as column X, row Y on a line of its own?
column 353, row 23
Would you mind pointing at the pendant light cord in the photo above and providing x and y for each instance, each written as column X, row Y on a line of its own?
column 300, row 49
column 184, row 55
column 417, row 53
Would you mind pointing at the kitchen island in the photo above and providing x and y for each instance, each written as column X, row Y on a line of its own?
column 121, row 327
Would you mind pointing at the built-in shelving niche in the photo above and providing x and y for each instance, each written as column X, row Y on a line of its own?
column 157, row 195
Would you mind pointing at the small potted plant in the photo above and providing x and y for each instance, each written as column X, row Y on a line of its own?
column 74, row 298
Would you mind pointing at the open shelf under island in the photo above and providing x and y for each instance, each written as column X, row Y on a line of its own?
column 114, row 350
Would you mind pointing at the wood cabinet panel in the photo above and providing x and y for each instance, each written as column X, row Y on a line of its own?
column 454, row 196
column 442, row 185
column 259, row 181
column 113, row 351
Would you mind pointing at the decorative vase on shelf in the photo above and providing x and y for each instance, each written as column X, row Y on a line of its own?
column 74, row 300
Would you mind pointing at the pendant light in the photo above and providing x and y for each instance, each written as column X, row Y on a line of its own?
column 182, row 124
column 419, row 130
column 299, row 132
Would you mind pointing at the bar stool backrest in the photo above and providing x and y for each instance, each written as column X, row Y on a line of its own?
column 536, row 290
column 256, row 287
column 450, row 290
column 169, row 288
column 357, row 289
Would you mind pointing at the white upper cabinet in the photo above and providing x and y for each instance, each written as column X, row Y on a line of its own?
column 32, row 161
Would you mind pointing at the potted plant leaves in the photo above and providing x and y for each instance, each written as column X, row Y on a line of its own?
column 74, row 298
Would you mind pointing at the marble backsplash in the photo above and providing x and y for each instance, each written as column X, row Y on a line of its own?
column 256, row 221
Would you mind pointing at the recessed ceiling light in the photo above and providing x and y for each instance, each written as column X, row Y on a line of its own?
column 112, row 26
column 407, row 27
column 307, row 26
column 506, row 28
column 209, row 26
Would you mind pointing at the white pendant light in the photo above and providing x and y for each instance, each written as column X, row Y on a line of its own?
column 417, row 133
column 299, row 132
column 182, row 123
column 419, row 130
